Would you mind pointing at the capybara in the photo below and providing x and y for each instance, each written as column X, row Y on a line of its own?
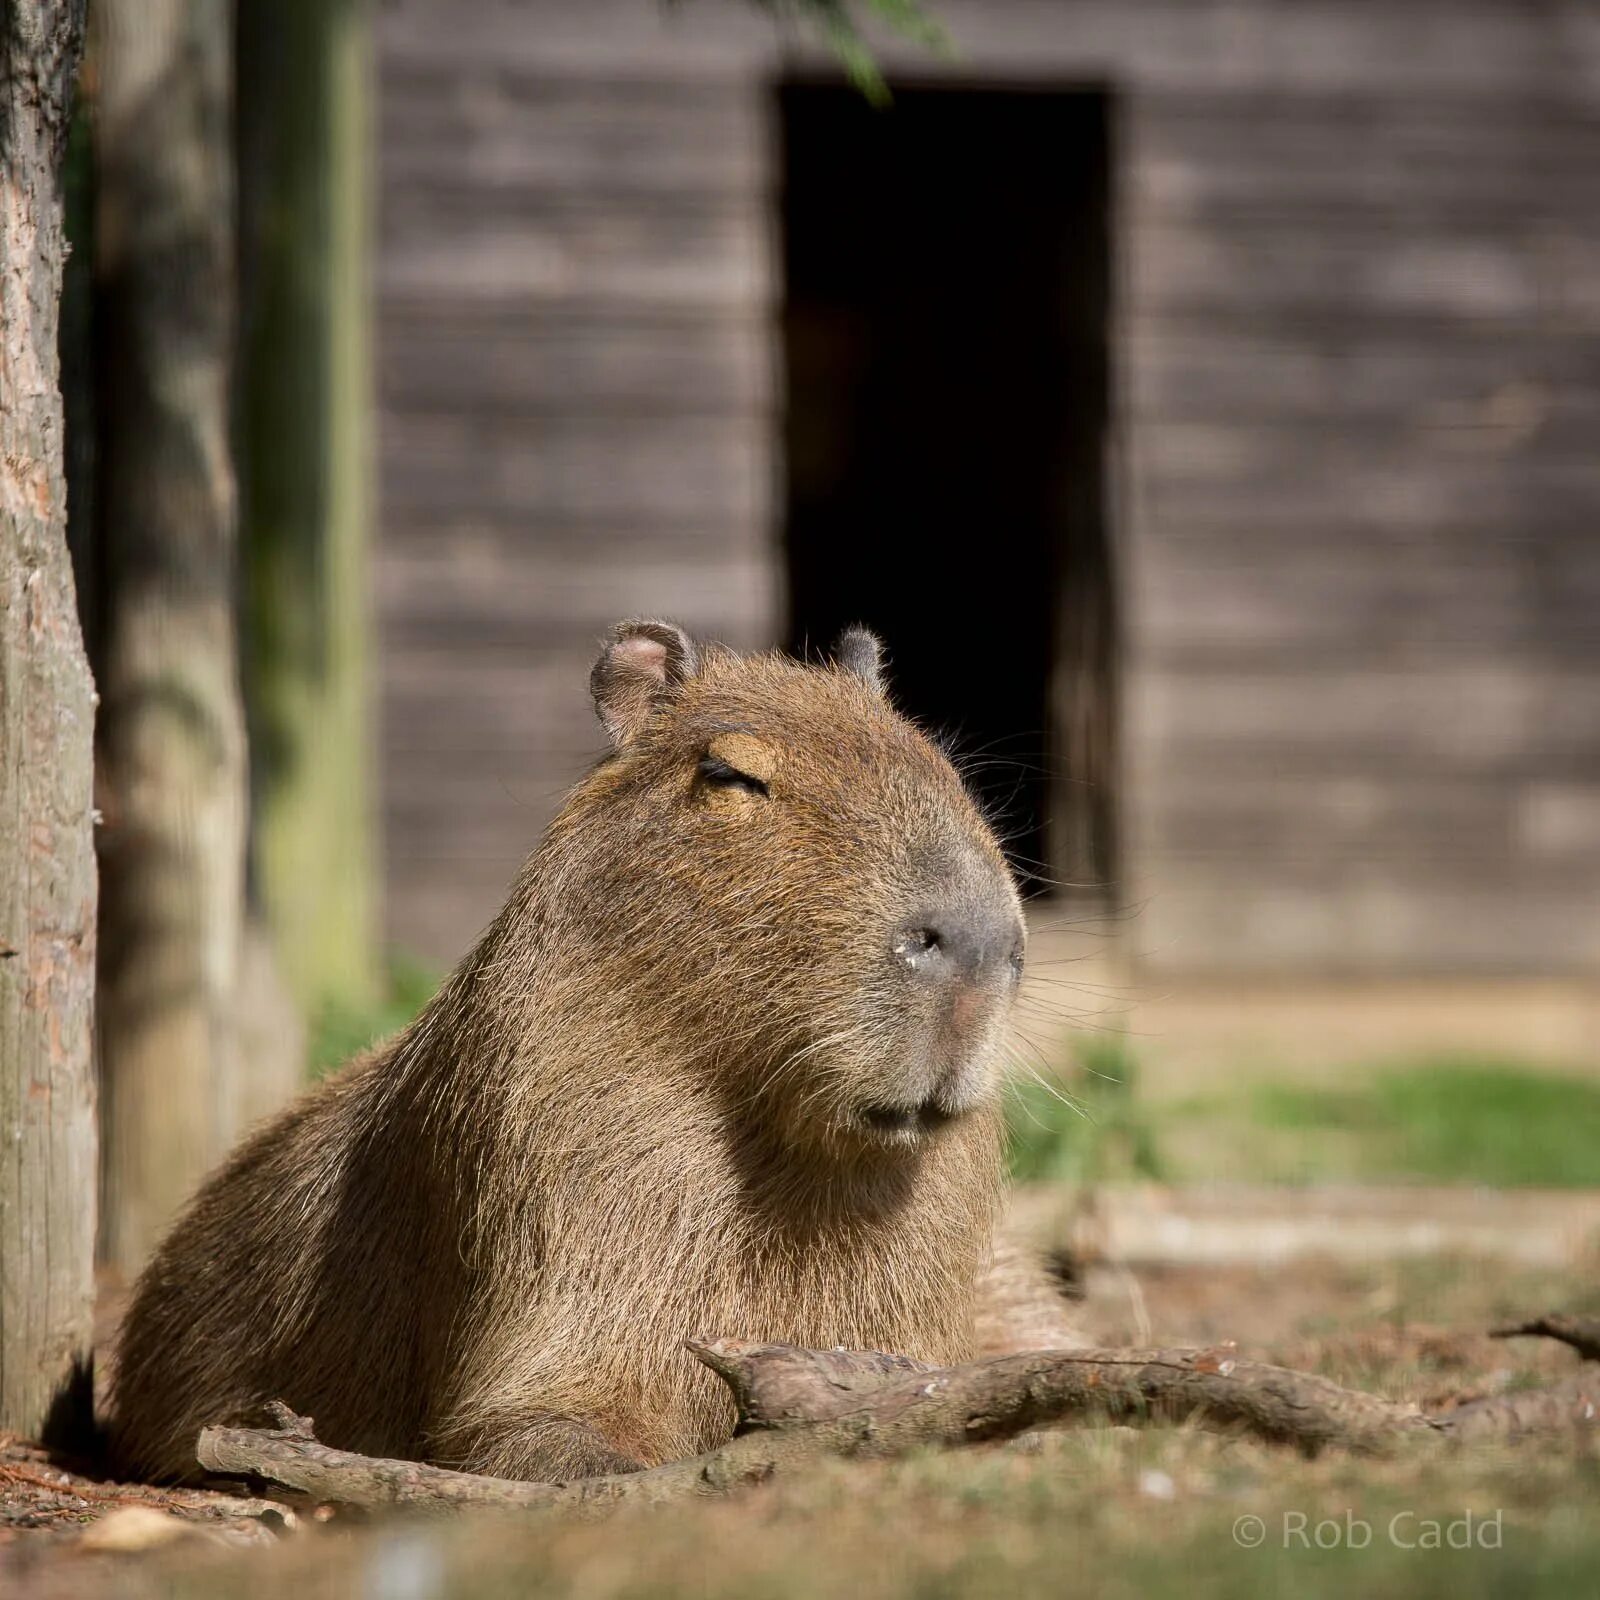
column 726, row 1064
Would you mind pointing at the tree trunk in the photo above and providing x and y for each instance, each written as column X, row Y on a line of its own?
column 305, row 474
column 47, row 870
column 172, row 747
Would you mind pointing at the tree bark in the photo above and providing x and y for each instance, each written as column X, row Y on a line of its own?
column 172, row 746
column 47, row 868
column 305, row 410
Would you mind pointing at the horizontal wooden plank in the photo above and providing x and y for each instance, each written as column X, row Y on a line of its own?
column 488, row 784
column 491, row 591
column 481, row 808
column 1277, row 821
column 1464, row 718
column 1522, row 441
column 540, row 681
column 490, row 126
column 477, row 752
column 562, row 546
column 603, row 469
column 1142, row 537
column 439, row 244
column 473, row 358
column 1248, row 599
column 1163, row 195
column 1559, row 822
column 435, row 911
column 1528, row 129
column 438, row 598
column 1547, row 275
column 1505, row 378
column 607, row 39
column 1385, row 158
column 1200, row 917
column 1191, row 475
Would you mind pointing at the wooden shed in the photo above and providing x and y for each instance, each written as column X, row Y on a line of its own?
column 1201, row 396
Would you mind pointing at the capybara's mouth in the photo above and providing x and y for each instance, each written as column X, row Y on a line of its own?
column 906, row 1122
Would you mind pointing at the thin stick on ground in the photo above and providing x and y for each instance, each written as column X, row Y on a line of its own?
column 1582, row 1333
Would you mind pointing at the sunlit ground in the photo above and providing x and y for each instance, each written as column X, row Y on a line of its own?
column 1104, row 1511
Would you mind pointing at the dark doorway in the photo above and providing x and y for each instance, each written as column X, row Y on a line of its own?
column 947, row 281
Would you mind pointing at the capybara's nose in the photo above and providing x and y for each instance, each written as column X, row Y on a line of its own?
column 975, row 943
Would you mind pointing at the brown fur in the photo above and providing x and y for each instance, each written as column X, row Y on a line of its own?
column 631, row 1115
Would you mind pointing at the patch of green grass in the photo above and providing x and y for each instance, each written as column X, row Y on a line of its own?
column 1086, row 1126
column 1449, row 1120
column 342, row 1028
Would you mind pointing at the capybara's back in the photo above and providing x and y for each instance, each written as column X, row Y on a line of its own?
column 725, row 1064
column 301, row 1267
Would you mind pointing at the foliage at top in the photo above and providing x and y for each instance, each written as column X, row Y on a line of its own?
column 837, row 24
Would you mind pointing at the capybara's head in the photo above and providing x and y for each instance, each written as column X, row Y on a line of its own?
column 784, row 875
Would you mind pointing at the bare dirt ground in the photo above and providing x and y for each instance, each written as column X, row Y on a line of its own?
column 62, row 1501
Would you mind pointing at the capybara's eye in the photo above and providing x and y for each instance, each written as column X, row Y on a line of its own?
column 721, row 776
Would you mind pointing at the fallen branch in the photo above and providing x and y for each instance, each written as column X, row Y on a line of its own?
column 818, row 1404
column 1582, row 1333
column 776, row 1385
column 289, row 1454
column 780, row 1386
column 1525, row 1413
column 799, row 1406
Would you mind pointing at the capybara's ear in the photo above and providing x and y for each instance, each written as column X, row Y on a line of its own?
column 643, row 663
column 860, row 651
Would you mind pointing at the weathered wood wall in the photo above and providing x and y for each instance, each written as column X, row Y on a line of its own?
column 1357, row 365
column 1362, row 358
column 576, row 389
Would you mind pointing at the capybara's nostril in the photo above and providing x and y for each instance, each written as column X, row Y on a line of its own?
column 920, row 948
column 968, row 944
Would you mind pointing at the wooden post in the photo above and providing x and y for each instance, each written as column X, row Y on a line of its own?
column 172, row 745
column 305, row 419
column 47, row 867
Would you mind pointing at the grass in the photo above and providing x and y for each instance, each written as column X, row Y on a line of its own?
column 1451, row 1121
column 1448, row 1119
column 1087, row 1126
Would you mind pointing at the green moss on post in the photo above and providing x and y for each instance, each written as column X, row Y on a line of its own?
column 305, row 454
